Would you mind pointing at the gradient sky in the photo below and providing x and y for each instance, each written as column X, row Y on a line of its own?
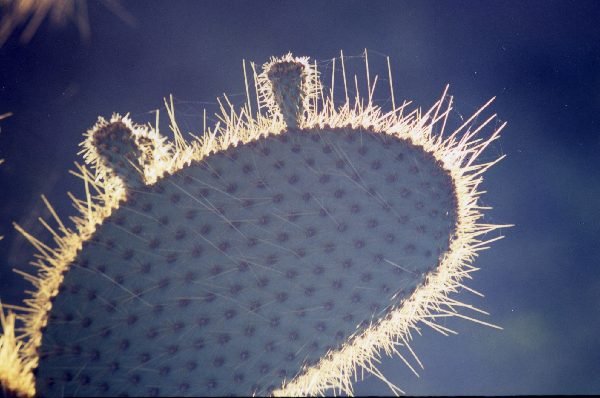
column 541, row 59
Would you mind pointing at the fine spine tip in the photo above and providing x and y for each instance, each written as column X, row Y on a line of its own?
column 288, row 81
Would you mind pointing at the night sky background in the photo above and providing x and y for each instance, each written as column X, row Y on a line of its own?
column 541, row 59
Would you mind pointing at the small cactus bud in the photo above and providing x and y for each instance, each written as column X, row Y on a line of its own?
column 118, row 149
column 287, row 80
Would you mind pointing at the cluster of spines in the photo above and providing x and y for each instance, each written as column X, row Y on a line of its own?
column 104, row 190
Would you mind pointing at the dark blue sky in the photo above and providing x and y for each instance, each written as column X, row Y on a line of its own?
column 541, row 59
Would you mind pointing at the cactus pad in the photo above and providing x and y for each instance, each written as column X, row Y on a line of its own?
column 274, row 256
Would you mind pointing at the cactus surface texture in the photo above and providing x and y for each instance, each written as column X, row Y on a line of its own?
column 280, row 253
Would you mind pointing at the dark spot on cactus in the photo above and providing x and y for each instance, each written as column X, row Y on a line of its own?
column 151, row 333
column 247, row 168
column 293, row 179
column 389, row 238
column 223, row 338
column 172, row 349
column 391, row 178
column 205, row 230
column 145, row 268
column 84, row 379
column 158, row 308
column 144, row 357
column 274, row 322
column 184, row 387
column 178, row 326
column 197, row 251
column 86, row 322
column 231, row 188
column 102, row 387
column 110, row 244
column 231, row 313
column 291, row 274
column 191, row 214
column 124, row 345
column 262, row 282
column 281, row 297
column 329, row 247
column 164, row 282
column 198, row 344
column 204, row 192
column 154, row 243
column 324, row 178
column 254, row 305
column 76, row 350
column 216, row 270
column 270, row 346
column 191, row 365
column 114, row 366
column 300, row 252
column 235, row 289
column 67, row 376
column 180, row 234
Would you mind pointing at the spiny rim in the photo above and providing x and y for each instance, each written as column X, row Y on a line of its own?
column 336, row 370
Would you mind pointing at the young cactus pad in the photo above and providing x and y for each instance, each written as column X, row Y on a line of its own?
column 280, row 253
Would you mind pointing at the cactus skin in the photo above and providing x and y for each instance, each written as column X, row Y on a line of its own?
column 278, row 255
column 234, row 273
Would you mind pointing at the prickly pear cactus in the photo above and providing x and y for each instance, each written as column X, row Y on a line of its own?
column 278, row 254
